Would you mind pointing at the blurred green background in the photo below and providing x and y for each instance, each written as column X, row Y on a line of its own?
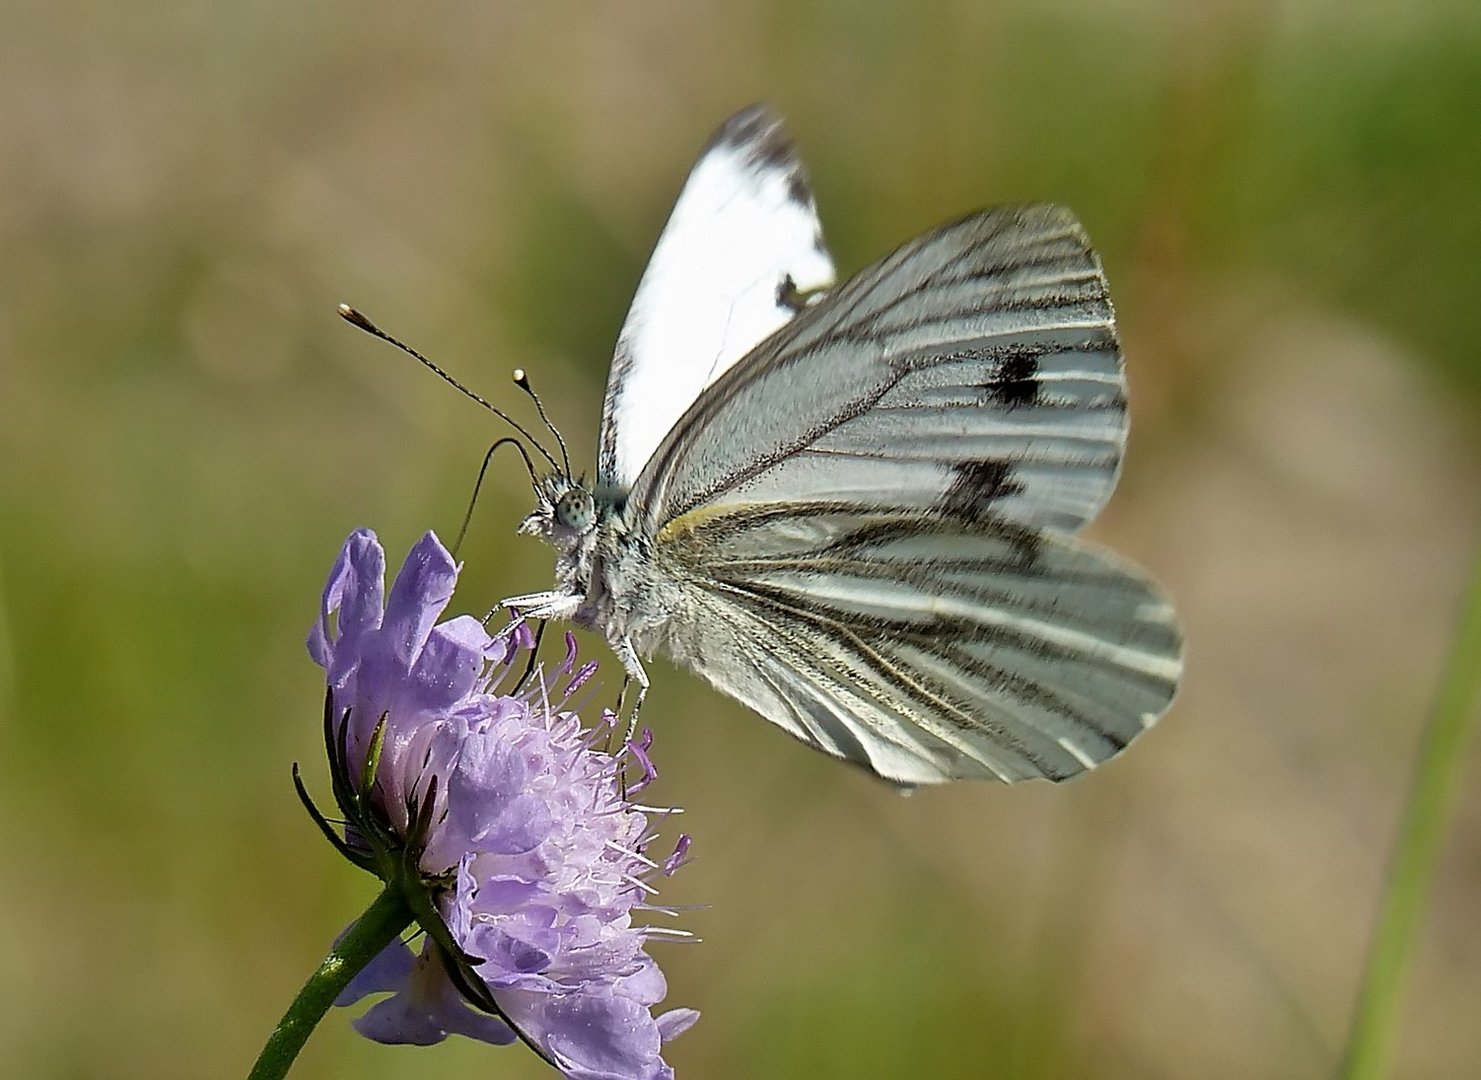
column 1286, row 197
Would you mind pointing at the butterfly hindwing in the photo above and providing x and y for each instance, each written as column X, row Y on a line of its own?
column 926, row 648
column 740, row 250
column 974, row 370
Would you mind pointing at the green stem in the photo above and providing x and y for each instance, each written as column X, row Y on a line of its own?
column 371, row 933
column 1416, row 850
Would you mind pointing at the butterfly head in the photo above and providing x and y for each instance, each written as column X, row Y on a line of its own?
column 565, row 513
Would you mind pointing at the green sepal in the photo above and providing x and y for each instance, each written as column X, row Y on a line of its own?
column 373, row 757
column 359, row 858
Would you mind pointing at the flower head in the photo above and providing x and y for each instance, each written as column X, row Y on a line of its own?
column 510, row 827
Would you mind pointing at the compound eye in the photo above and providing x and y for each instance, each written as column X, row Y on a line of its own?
column 574, row 510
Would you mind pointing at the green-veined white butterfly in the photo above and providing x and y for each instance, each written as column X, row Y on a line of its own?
column 852, row 510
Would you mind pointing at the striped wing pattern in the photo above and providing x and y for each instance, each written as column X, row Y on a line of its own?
column 927, row 649
column 975, row 370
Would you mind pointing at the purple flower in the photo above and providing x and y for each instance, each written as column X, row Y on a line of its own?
column 514, row 824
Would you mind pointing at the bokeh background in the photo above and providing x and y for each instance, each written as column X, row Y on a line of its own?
column 1286, row 197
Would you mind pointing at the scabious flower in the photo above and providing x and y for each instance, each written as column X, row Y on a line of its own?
column 511, row 828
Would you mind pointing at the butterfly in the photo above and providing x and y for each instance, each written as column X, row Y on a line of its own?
column 852, row 507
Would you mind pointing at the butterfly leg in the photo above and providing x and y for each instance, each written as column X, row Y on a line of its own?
column 544, row 605
column 635, row 674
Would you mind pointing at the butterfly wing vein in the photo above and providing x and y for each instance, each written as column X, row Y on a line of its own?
column 977, row 369
column 928, row 650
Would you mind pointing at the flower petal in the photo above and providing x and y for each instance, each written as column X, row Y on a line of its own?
column 426, row 1009
column 397, row 1021
column 422, row 588
column 675, row 1022
column 592, row 1034
column 355, row 591
column 447, row 668
column 391, row 968
column 489, row 800
column 476, row 1025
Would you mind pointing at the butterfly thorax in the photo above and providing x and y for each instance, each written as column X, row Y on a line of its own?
column 602, row 570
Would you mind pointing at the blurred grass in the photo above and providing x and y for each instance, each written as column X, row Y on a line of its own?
column 1284, row 196
column 1420, row 841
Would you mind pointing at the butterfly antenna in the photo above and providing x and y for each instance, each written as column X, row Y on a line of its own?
column 522, row 381
column 359, row 321
column 507, row 440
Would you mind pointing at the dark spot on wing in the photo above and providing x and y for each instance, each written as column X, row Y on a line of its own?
column 789, row 296
column 1015, row 382
column 1027, row 546
column 797, row 189
column 976, row 486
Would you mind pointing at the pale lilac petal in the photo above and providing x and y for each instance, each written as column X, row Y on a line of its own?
column 520, row 826
column 361, row 602
column 472, row 1024
column 448, row 667
column 511, row 956
column 426, row 1008
column 420, row 592
column 675, row 1022
column 398, row 1022
column 388, row 971
column 590, row 1035
column 489, row 801
column 646, row 985
column 507, row 893
column 352, row 600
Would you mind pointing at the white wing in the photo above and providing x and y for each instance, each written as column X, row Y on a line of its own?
column 975, row 370
column 742, row 243
column 926, row 648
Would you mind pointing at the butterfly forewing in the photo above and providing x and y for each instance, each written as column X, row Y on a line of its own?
column 740, row 249
column 927, row 650
column 975, row 370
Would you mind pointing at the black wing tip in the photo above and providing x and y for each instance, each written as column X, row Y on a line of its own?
column 756, row 124
column 759, row 137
